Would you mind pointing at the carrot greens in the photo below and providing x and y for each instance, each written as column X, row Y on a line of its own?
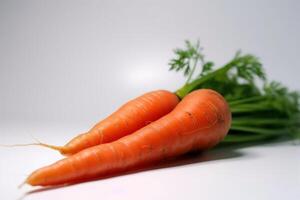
column 261, row 109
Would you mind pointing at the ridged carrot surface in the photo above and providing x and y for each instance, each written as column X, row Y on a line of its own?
column 199, row 121
column 130, row 117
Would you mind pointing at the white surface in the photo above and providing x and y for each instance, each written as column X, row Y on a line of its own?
column 263, row 172
column 65, row 64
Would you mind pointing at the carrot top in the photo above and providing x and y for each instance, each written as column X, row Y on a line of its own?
column 261, row 109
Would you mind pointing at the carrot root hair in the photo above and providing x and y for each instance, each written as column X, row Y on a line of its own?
column 37, row 143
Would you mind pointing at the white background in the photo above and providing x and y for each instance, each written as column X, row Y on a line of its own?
column 64, row 65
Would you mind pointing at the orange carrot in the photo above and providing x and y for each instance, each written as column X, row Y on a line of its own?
column 130, row 117
column 199, row 121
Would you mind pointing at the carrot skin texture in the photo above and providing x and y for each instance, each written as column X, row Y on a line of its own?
column 130, row 117
column 200, row 121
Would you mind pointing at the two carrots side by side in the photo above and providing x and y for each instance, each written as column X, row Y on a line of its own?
column 198, row 122
column 130, row 117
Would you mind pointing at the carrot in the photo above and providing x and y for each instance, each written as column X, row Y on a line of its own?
column 130, row 117
column 200, row 121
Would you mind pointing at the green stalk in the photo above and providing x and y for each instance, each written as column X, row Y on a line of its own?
column 244, row 138
column 192, row 72
column 246, row 100
column 249, row 109
column 260, row 121
column 189, row 87
column 264, row 131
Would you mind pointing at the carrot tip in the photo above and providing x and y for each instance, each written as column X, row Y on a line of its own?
column 22, row 184
column 58, row 148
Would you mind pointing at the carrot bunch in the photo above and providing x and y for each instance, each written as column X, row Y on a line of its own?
column 199, row 121
column 163, row 124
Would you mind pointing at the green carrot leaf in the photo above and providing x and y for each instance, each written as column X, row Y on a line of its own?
column 261, row 109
